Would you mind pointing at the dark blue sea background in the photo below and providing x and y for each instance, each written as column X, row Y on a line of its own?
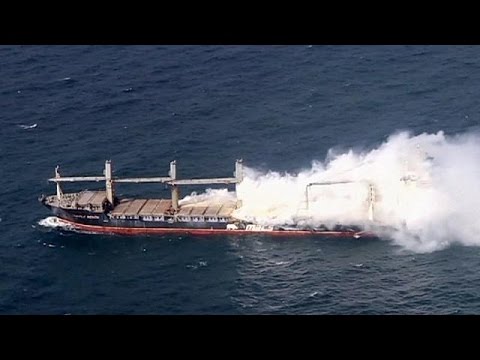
column 278, row 108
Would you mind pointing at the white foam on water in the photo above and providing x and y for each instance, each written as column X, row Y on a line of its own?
column 27, row 127
column 54, row 222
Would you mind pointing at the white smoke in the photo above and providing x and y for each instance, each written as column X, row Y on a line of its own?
column 209, row 197
column 426, row 188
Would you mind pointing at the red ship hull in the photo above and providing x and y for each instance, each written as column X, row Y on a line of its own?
column 197, row 231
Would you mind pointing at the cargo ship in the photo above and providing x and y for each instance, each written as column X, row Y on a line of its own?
column 101, row 211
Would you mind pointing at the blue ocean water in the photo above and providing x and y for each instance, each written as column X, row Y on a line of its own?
column 277, row 107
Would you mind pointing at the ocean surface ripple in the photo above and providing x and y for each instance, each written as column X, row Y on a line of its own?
column 277, row 107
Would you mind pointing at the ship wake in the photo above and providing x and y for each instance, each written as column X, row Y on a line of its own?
column 53, row 222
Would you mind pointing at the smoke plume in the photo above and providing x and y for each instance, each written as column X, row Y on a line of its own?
column 425, row 187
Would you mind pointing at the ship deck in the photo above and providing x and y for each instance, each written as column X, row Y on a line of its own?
column 159, row 207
